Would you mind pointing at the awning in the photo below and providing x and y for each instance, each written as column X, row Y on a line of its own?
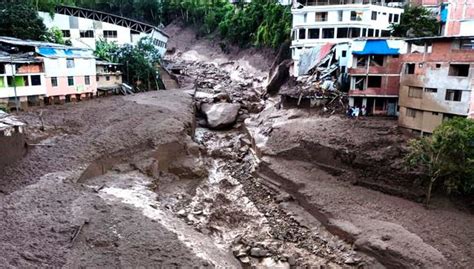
column 377, row 47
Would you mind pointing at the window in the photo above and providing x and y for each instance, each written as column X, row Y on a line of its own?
column 314, row 33
column 344, row 53
column 54, row 81
column 35, row 80
column 20, row 81
column 453, row 95
column 364, row 32
column 340, row 15
column 377, row 33
column 376, row 60
column 370, row 33
column 434, row 113
column 107, row 78
column 355, row 32
column 385, row 33
column 431, row 90
column 321, row 16
column 411, row 113
column 438, row 66
column 361, row 61
column 328, row 32
column 354, row 16
column 342, row 32
column 70, row 63
column 467, row 44
column 66, row 33
column 374, row 82
column 87, row 80
column 396, row 18
column 70, row 81
column 302, row 34
column 293, row 35
column 97, row 78
column 86, row 34
column 2, row 69
column 390, row 17
column 305, row 18
column 359, row 83
column 459, row 70
column 110, row 34
column 410, row 69
column 415, row 92
column 374, row 15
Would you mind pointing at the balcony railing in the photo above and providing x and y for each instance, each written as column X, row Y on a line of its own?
column 346, row 2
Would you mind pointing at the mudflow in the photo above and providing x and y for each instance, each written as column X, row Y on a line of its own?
column 216, row 174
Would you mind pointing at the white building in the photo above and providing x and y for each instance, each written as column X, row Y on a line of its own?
column 84, row 26
column 317, row 22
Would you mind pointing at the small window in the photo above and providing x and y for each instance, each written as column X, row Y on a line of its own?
column 459, row 70
column 2, row 69
column 110, row 34
column 87, row 80
column 396, row 18
column 453, row 95
column 438, row 66
column 354, row 16
column 377, row 33
column 355, row 32
column 321, row 16
column 374, row 82
column 359, row 83
column 340, row 15
column 431, row 90
column 374, row 15
column 97, row 78
column 302, row 34
column 314, row 33
column 70, row 81
column 385, row 33
column 344, row 53
column 107, row 78
column 70, row 63
column 390, row 17
column 54, row 81
column 415, row 92
column 411, row 113
column 410, row 69
column 86, row 34
column 370, row 33
column 35, row 80
column 328, row 33
column 361, row 61
column 66, row 33
column 364, row 32
column 434, row 113
column 342, row 32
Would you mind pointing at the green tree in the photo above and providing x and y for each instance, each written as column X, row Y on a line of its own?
column 54, row 35
column 416, row 21
column 19, row 19
column 447, row 157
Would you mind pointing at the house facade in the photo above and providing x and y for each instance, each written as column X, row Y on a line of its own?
column 83, row 27
column 109, row 76
column 51, row 73
column 375, row 75
column 316, row 22
column 436, row 84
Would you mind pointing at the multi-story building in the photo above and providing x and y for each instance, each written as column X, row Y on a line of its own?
column 84, row 27
column 24, row 74
column 436, row 84
column 58, row 74
column 375, row 75
column 316, row 22
column 109, row 76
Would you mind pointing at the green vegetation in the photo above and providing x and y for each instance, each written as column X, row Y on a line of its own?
column 447, row 157
column 138, row 62
column 18, row 19
column 54, row 35
column 416, row 21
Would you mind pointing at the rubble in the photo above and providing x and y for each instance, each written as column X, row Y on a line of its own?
column 220, row 115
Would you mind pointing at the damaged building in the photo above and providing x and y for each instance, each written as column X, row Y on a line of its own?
column 436, row 83
column 375, row 75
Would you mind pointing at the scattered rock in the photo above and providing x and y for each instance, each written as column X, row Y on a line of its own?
column 220, row 115
column 258, row 252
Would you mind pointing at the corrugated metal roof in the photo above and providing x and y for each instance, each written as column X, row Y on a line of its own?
column 377, row 47
column 31, row 43
column 5, row 57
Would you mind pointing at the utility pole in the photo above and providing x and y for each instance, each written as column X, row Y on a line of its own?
column 17, row 105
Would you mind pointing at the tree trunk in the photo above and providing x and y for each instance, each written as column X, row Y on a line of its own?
column 428, row 192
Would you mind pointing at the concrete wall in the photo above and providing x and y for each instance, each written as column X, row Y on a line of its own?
column 7, row 91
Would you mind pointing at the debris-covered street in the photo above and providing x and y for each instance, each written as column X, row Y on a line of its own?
column 158, row 180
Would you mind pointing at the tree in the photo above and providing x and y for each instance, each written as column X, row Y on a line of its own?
column 54, row 35
column 20, row 20
column 447, row 157
column 416, row 21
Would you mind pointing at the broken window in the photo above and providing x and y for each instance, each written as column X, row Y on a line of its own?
column 302, row 33
column 86, row 34
column 410, row 69
column 411, row 113
column 431, row 90
column 459, row 70
column 361, row 61
column 342, row 32
column 453, row 95
column 374, row 82
column 321, row 16
column 328, row 33
column 314, row 33
column 376, row 60
column 359, row 83
column 415, row 92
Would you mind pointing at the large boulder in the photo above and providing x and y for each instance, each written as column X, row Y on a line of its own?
column 220, row 115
